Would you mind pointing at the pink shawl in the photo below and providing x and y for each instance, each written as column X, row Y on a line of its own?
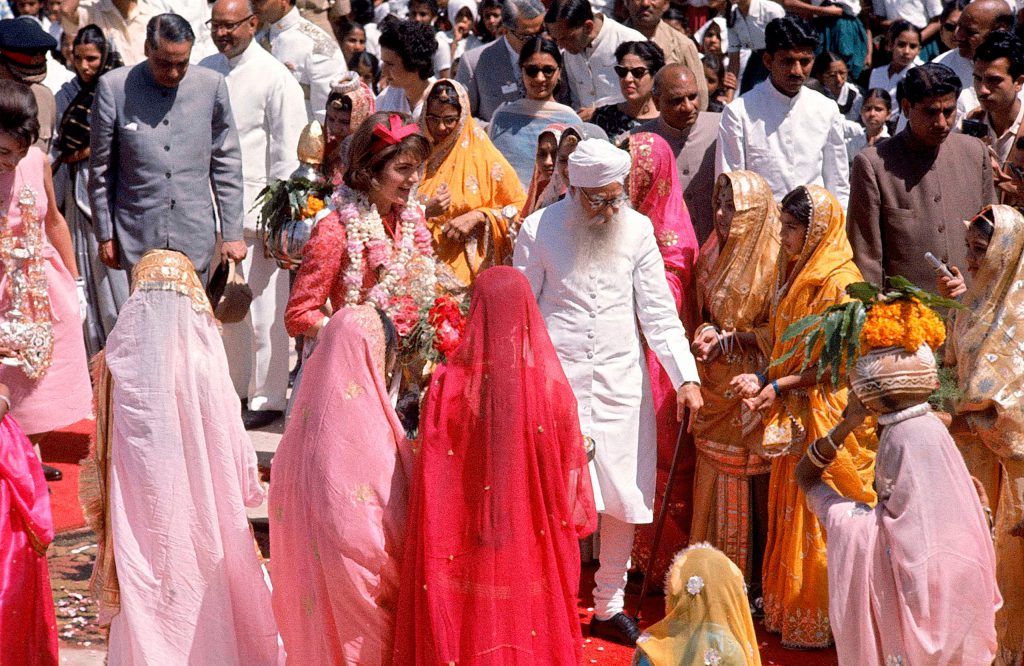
column 28, row 627
column 338, row 498
column 911, row 581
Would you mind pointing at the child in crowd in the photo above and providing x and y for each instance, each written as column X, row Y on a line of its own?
column 874, row 114
column 830, row 70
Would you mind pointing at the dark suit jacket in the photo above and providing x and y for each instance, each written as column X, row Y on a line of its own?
column 906, row 200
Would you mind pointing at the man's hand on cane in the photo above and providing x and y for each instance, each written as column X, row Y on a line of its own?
column 688, row 397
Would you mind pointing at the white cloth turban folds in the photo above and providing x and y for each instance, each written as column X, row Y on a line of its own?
column 597, row 163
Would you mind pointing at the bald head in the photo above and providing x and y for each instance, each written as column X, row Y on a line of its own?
column 232, row 26
column 977, row 20
column 675, row 96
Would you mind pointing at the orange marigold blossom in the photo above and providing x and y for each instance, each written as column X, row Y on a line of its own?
column 313, row 206
column 903, row 323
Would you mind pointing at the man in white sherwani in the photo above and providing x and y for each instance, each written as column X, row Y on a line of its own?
column 269, row 114
column 308, row 52
column 596, row 271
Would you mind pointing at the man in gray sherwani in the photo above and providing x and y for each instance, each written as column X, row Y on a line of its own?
column 162, row 139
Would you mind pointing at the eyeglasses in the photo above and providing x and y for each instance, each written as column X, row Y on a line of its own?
column 637, row 72
column 533, row 70
column 525, row 36
column 217, row 26
column 445, row 121
column 950, row 27
column 602, row 202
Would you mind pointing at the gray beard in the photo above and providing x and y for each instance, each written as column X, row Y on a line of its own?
column 594, row 240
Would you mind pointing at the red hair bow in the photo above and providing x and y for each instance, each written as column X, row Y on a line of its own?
column 393, row 132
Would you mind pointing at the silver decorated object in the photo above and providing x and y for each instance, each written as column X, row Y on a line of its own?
column 284, row 242
column 25, row 325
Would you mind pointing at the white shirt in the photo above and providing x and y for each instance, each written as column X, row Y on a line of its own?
column 592, row 311
column 312, row 56
column 443, row 54
column 56, row 75
column 964, row 67
column 266, row 102
column 591, row 73
column 880, row 77
column 857, row 138
column 394, row 98
column 747, row 32
column 917, row 12
column 790, row 141
column 850, row 90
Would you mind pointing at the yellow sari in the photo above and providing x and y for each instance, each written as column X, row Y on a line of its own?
column 989, row 357
column 734, row 290
column 795, row 577
column 478, row 178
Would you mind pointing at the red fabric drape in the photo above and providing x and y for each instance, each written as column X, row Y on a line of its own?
column 501, row 495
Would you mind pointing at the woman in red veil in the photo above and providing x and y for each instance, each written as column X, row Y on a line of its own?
column 501, row 496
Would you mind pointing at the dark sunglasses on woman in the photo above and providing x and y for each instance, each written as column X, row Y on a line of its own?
column 533, row 70
column 637, row 72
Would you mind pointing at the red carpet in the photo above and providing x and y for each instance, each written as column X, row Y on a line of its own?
column 64, row 449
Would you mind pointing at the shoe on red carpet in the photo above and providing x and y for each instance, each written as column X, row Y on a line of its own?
column 619, row 628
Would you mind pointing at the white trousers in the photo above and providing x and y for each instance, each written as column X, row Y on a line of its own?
column 257, row 347
column 610, row 580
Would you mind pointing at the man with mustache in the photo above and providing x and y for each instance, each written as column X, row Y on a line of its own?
column 789, row 134
column 594, row 266
column 911, row 193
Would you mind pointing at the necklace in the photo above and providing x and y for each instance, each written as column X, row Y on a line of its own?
column 904, row 414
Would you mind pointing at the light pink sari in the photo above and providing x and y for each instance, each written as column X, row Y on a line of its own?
column 911, row 581
column 338, row 498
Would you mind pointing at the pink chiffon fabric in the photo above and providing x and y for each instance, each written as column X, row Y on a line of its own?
column 911, row 581
column 182, row 471
column 63, row 395
column 655, row 191
column 338, row 497
column 28, row 626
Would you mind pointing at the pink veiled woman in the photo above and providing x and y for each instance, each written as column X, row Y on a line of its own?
column 28, row 626
column 655, row 191
column 338, row 500
column 177, row 574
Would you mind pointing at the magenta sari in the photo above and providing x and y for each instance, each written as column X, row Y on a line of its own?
column 655, row 191
column 28, row 626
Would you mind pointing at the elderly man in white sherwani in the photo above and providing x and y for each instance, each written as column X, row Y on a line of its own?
column 596, row 271
column 308, row 52
column 269, row 114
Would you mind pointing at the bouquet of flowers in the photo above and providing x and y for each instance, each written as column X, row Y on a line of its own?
column 900, row 316
column 437, row 329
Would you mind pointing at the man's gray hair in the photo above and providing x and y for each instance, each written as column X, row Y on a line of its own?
column 168, row 27
column 513, row 10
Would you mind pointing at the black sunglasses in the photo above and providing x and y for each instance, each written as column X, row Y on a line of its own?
column 533, row 70
column 951, row 27
column 637, row 72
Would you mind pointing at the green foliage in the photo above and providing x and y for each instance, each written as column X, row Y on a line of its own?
column 283, row 200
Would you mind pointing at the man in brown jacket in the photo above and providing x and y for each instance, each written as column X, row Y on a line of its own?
column 911, row 194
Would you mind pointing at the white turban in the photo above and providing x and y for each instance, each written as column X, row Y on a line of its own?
column 596, row 163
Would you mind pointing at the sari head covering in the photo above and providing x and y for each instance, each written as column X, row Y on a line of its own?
column 501, row 496
column 173, row 472
column 29, row 634
column 987, row 342
column 74, row 124
column 479, row 178
column 557, row 186
column 911, row 581
column 707, row 615
column 350, row 91
column 738, row 286
column 540, row 180
column 338, row 498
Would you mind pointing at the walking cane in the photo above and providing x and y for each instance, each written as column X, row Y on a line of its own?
column 663, row 512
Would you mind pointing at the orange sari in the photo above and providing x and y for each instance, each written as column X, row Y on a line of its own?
column 795, row 576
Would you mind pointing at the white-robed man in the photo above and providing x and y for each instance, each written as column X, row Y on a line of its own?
column 269, row 113
column 594, row 267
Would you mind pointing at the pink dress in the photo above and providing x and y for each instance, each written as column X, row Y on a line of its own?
column 63, row 395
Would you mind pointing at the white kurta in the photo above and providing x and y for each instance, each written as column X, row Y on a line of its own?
column 592, row 313
column 311, row 55
column 790, row 141
column 591, row 73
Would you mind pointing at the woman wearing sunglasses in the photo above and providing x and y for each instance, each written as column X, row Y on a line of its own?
column 516, row 125
column 638, row 62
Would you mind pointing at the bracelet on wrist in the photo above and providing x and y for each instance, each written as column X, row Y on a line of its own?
column 775, row 387
column 762, row 378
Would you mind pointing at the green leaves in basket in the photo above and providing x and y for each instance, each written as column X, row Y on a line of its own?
column 283, row 200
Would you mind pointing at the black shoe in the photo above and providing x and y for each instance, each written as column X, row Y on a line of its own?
column 621, row 629
column 52, row 473
column 260, row 419
column 293, row 374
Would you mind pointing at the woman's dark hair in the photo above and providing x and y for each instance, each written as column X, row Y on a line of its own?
column 823, row 62
column 798, row 204
column 649, row 52
column 712, row 29
column 984, row 223
column 390, row 333
column 716, row 64
column 931, row 79
column 339, row 100
column 365, row 59
column 951, row 6
column 539, row 44
column 18, row 112
column 342, row 26
column 366, row 159
column 432, row 5
column 91, row 34
column 414, row 43
column 879, row 93
column 445, row 93
column 674, row 13
column 480, row 28
column 362, row 11
column 789, row 33
column 899, row 27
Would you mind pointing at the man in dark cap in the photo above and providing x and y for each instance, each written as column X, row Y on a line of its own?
column 23, row 47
